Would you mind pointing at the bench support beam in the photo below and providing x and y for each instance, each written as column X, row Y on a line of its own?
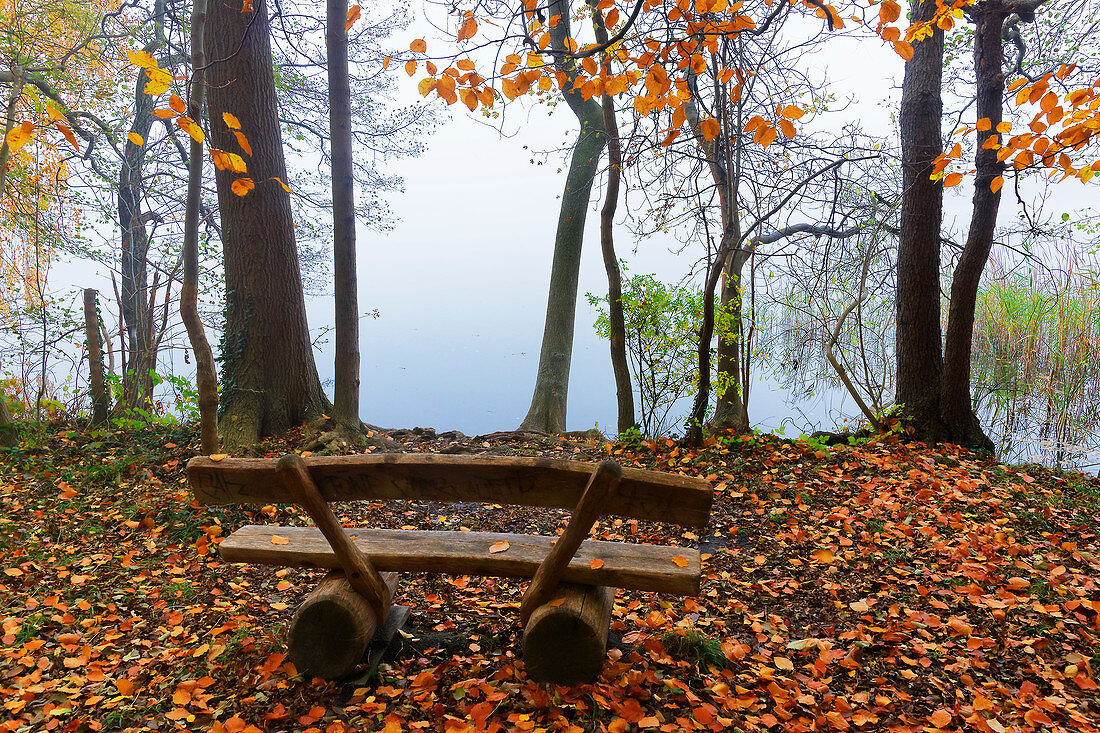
column 360, row 573
column 605, row 479
column 332, row 628
column 566, row 642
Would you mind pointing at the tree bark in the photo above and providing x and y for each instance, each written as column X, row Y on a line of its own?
column 732, row 409
column 956, row 405
column 205, row 375
column 345, row 405
column 918, row 348
column 548, row 403
column 269, row 377
column 97, row 385
column 137, row 381
column 616, row 321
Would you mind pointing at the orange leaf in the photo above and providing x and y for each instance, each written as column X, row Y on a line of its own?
column 231, row 122
column 386, row 62
column 286, row 188
column 941, row 718
column 353, row 15
column 556, row 602
column 418, row 46
column 410, row 67
column 20, row 136
column 680, row 561
column 996, row 184
column 177, row 104
column 279, row 540
column 67, row 133
column 242, row 186
column 501, row 546
column 710, row 128
column 952, row 179
column 904, row 49
column 219, row 457
column 596, row 564
column 824, row 556
column 164, row 114
column 67, row 491
column 125, row 687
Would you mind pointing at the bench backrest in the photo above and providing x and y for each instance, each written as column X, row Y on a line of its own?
column 524, row 481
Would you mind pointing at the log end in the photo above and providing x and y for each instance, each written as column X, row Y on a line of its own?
column 566, row 643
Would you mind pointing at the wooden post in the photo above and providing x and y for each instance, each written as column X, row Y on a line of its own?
column 360, row 572
column 96, row 383
column 333, row 627
column 603, row 482
column 566, row 643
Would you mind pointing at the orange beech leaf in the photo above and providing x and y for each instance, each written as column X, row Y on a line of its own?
column 164, row 114
column 501, row 546
column 67, row 133
column 242, row 186
column 243, row 142
column 418, row 46
column 941, row 718
column 596, row 564
column 823, row 556
column 177, row 104
column 188, row 125
column 983, row 124
column 680, row 561
column 710, row 128
column 353, row 15
column 67, row 491
column 996, row 183
column 305, row 454
column 888, row 12
column 20, row 135
column 904, row 49
column 277, row 539
column 952, row 179
column 386, row 62
column 230, row 121
column 410, row 67
column 125, row 687
column 555, row 603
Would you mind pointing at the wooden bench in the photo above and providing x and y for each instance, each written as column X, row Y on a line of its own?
column 566, row 609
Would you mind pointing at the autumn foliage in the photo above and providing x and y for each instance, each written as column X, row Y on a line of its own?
column 877, row 587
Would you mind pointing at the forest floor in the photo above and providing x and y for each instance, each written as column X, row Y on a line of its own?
column 876, row 587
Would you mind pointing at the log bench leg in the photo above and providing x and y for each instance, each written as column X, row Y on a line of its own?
column 332, row 628
column 566, row 644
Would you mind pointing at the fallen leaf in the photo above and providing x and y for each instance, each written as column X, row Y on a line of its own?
column 556, row 602
column 596, row 564
column 219, row 456
column 277, row 539
column 680, row 561
column 501, row 546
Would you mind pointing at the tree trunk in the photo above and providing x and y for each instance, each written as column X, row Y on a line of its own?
column 97, row 385
column 137, row 381
column 732, row 410
column 269, row 378
column 616, row 322
column 206, row 379
column 345, row 405
column 548, row 403
column 956, row 405
column 919, row 359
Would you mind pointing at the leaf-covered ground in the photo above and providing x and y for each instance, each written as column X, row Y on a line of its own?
column 881, row 587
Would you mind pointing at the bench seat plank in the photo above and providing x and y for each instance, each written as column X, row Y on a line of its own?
column 632, row 566
column 509, row 480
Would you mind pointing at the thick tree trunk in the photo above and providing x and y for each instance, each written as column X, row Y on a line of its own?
column 345, row 406
column 732, row 409
column 137, row 381
column 205, row 375
column 97, row 385
column 548, row 403
column 624, row 390
column 956, row 405
column 919, row 359
column 269, row 378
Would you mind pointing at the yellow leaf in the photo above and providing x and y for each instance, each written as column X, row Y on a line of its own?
column 418, row 46
column 1004, row 127
column 535, row 60
column 54, row 113
column 141, row 59
column 243, row 142
column 501, row 546
column 242, row 186
column 188, row 125
column 279, row 540
column 287, row 189
column 231, row 122
column 427, row 84
column 20, row 135
column 596, row 564
column 159, row 80
column 680, row 561
column 996, row 183
column 236, row 163
column 135, row 138
column 219, row 457
column 353, row 15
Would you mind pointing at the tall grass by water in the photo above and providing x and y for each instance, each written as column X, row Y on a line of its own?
column 1036, row 364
